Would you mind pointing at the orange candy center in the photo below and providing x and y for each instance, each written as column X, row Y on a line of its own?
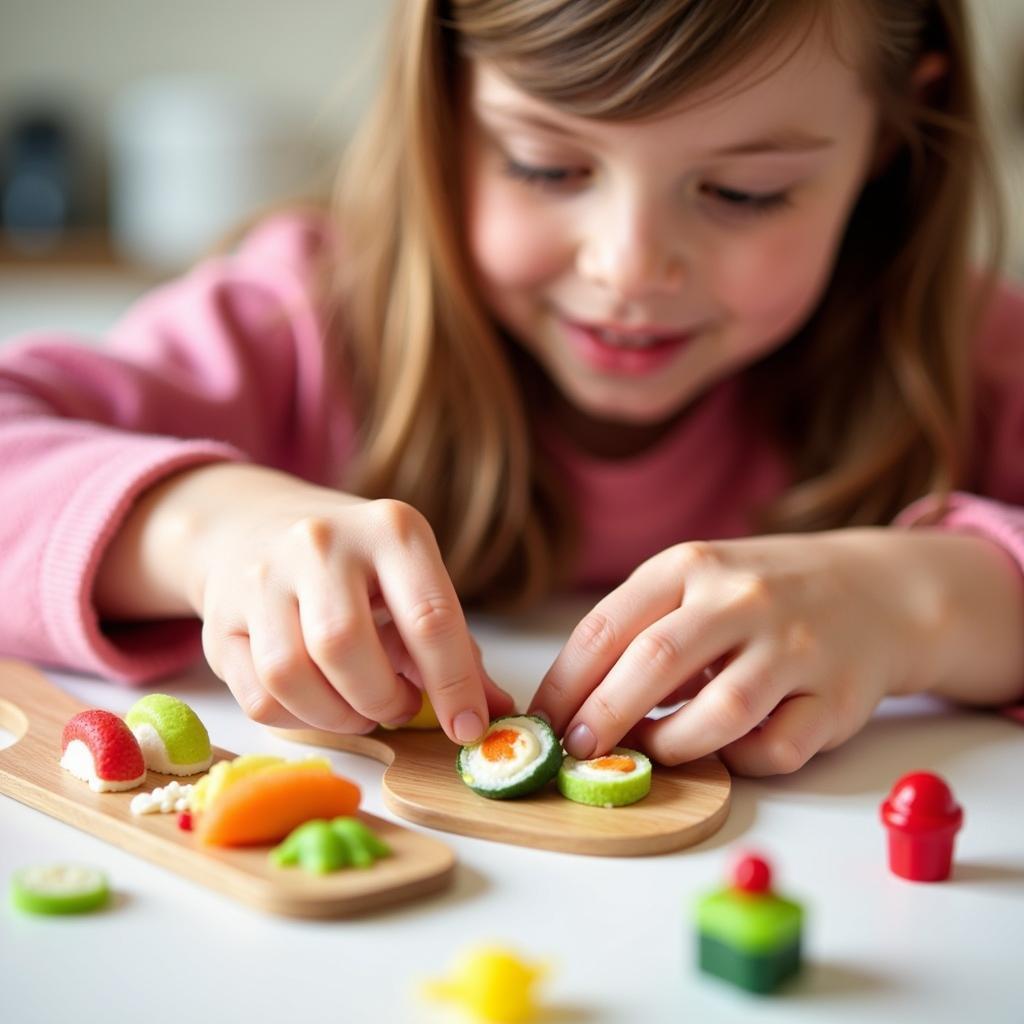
column 500, row 745
column 614, row 763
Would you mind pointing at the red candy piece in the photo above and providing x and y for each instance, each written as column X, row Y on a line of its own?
column 752, row 874
column 116, row 754
column 185, row 821
column 922, row 819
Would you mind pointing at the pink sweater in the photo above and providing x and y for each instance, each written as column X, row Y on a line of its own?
column 225, row 363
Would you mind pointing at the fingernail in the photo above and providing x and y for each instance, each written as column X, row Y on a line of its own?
column 580, row 742
column 467, row 727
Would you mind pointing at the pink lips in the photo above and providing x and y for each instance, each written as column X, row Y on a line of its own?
column 609, row 358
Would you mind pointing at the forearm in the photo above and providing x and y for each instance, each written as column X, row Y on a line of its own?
column 152, row 568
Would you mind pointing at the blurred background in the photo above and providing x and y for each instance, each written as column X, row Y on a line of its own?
column 134, row 135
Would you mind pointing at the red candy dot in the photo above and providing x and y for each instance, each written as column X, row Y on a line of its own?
column 752, row 874
column 185, row 821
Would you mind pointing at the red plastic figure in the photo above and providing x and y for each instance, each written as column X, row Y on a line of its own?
column 922, row 818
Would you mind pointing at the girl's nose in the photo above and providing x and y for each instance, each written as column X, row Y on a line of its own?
column 632, row 255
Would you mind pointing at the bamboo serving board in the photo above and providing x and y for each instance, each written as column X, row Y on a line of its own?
column 35, row 711
column 686, row 804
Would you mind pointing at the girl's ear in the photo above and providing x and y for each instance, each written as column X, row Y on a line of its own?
column 930, row 69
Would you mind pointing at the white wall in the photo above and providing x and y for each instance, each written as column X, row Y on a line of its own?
column 305, row 54
column 316, row 58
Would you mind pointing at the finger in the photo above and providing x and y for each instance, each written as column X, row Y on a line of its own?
column 737, row 700
column 797, row 729
column 427, row 614
column 673, row 648
column 234, row 666
column 597, row 643
column 343, row 641
column 285, row 670
column 499, row 701
column 687, row 691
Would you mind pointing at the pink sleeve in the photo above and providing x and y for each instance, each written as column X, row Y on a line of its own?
column 995, row 507
column 223, row 364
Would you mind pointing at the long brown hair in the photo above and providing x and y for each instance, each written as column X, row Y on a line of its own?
column 871, row 398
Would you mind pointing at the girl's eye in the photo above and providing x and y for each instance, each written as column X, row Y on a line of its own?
column 746, row 202
column 551, row 177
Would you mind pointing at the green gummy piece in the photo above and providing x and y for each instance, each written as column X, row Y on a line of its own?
column 321, row 846
column 315, row 846
column 750, row 922
column 364, row 847
column 58, row 889
column 184, row 735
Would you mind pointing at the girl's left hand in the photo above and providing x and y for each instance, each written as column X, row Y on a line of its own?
column 807, row 633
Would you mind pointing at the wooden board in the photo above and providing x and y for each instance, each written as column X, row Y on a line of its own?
column 686, row 804
column 35, row 711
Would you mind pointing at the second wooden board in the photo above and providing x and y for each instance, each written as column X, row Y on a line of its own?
column 686, row 804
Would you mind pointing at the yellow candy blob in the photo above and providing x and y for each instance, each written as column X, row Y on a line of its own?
column 425, row 718
column 226, row 773
column 493, row 984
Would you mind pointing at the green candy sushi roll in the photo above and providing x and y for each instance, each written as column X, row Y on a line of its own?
column 517, row 755
column 173, row 739
column 58, row 889
column 619, row 778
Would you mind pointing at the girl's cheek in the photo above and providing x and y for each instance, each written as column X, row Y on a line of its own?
column 776, row 282
column 516, row 241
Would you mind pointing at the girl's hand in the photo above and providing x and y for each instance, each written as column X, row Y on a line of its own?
column 321, row 609
column 800, row 637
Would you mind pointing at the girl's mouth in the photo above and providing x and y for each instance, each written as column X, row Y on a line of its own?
column 633, row 354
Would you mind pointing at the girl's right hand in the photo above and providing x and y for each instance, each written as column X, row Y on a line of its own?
column 327, row 610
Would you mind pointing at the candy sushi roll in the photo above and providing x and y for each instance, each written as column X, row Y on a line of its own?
column 98, row 748
column 621, row 777
column 517, row 755
column 172, row 738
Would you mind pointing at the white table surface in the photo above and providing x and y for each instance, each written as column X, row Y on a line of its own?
column 619, row 933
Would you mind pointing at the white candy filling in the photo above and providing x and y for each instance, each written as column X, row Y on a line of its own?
column 77, row 759
column 527, row 749
column 154, row 752
column 591, row 770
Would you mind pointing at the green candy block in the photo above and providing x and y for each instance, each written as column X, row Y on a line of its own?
column 750, row 939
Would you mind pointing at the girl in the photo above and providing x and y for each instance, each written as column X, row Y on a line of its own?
column 670, row 298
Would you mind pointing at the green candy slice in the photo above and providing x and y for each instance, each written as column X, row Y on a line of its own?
column 619, row 778
column 58, row 889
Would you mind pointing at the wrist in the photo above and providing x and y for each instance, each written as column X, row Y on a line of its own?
column 156, row 564
column 970, row 612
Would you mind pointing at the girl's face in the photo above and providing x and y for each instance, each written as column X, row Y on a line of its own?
column 639, row 262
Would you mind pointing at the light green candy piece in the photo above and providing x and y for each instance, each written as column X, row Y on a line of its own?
column 59, row 889
column 608, row 789
column 321, row 846
column 183, row 734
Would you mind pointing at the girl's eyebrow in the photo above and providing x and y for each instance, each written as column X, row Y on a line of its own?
column 788, row 140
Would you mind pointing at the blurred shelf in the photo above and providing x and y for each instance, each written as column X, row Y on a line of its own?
column 89, row 248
